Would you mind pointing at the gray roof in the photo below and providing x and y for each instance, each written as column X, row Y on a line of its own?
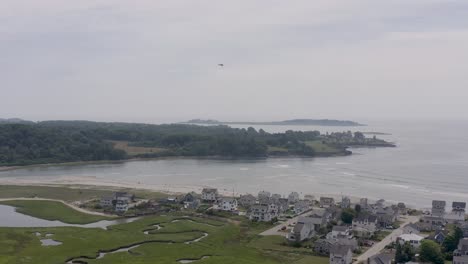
column 369, row 218
column 340, row 228
column 438, row 202
column 381, row 259
column 298, row 227
column 339, row 249
column 463, row 244
column 228, row 199
column 459, row 205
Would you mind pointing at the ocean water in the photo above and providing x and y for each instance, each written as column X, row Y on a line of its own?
column 429, row 162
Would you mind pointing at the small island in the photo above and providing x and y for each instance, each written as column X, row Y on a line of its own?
column 77, row 141
column 291, row 122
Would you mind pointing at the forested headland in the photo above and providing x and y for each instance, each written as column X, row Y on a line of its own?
column 70, row 141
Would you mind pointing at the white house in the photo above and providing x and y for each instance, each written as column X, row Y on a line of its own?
column 228, row 204
column 365, row 225
column 460, row 255
column 413, row 239
column 340, row 232
column 304, row 229
column 209, row 194
column 262, row 213
column 345, row 202
column 121, row 206
column 107, row 201
column 326, row 202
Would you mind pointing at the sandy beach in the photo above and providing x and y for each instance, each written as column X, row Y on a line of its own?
column 91, row 182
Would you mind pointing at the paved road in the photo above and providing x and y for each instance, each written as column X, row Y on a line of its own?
column 376, row 248
column 274, row 231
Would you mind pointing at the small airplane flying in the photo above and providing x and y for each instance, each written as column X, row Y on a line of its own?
column 221, row 65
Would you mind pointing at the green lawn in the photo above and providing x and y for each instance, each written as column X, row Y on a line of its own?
column 320, row 147
column 70, row 194
column 51, row 210
column 58, row 193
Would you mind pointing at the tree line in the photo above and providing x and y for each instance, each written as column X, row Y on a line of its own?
column 66, row 141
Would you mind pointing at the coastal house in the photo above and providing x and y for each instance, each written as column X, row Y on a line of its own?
column 386, row 215
column 117, row 198
column 107, row 201
column 457, row 215
column 275, row 198
column 190, row 201
column 293, row 197
column 431, row 222
column 381, row 258
column 460, row 255
column 340, row 254
column 247, row 200
column 364, row 225
column 301, row 206
column 345, row 202
column 124, row 196
column 438, row 208
column 192, row 205
column 261, row 213
column 323, row 246
column 464, row 227
column 228, row 204
column 340, row 232
column 411, row 229
column 320, row 218
column 364, row 204
column 121, row 206
column 189, row 197
column 326, row 202
column 263, row 196
column 283, row 205
column 413, row 239
column 402, row 208
column 439, row 236
column 304, row 229
column 209, row 194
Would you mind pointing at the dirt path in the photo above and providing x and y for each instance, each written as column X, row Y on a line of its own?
column 61, row 201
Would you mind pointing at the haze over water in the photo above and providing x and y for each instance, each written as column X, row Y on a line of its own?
column 430, row 162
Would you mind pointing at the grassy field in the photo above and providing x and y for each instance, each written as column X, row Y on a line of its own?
column 59, row 193
column 70, row 194
column 227, row 242
column 320, row 147
column 132, row 150
column 51, row 210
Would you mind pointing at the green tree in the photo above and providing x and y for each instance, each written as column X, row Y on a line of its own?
column 348, row 215
column 451, row 241
column 357, row 208
column 430, row 252
column 404, row 253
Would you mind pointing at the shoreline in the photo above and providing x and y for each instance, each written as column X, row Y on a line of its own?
column 91, row 162
column 169, row 189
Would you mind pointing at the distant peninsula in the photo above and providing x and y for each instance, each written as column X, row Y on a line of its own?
column 291, row 122
column 78, row 141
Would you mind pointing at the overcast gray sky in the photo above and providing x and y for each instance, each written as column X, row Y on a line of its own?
column 156, row 61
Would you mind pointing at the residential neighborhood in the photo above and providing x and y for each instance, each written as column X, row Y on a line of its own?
column 347, row 231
